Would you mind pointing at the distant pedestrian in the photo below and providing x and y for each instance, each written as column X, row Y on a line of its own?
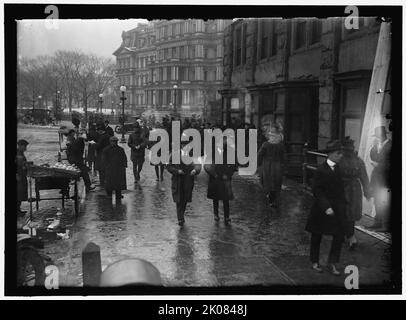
column 183, row 176
column 137, row 143
column 21, row 176
column 271, row 158
column 92, row 136
column 354, row 176
column 103, row 140
column 219, row 187
column 115, row 164
column 108, row 129
column 380, row 178
column 327, row 215
column 159, row 167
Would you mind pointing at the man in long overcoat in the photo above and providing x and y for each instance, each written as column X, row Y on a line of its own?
column 103, row 140
column 327, row 215
column 21, row 162
column 219, row 187
column 115, row 163
column 380, row 185
column 183, row 176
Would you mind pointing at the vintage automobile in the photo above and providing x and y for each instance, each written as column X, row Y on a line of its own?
column 38, row 116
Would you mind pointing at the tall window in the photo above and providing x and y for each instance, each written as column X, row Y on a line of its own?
column 300, row 34
column 315, row 31
column 274, row 39
column 244, row 43
column 238, row 47
column 264, row 39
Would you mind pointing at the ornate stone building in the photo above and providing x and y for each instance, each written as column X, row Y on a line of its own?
column 311, row 75
column 173, row 67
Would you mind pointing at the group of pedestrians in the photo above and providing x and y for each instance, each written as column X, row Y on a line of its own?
column 338, row 187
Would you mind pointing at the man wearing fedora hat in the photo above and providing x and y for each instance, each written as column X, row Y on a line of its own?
column 183, row 176
column 115, row 163
column 103, row 140
column 327, row 215
column 380, row 186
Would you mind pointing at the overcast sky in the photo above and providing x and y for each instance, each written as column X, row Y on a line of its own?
column 101, row 37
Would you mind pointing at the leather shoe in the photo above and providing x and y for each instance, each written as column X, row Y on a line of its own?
column 332, row 269
column 316, row 267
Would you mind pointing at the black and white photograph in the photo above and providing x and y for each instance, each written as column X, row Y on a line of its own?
column 189, row 150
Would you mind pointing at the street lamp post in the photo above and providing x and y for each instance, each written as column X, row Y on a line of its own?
column 39, row 102
column 101, row 102
column 122, row 98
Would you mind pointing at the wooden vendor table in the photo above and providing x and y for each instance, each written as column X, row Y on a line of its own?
column 47, row 178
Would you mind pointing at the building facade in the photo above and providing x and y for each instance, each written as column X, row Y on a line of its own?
column 310, row 75
column 173, row 67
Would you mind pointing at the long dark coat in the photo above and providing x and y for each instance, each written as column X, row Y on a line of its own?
column 354, row 176
column 102, row 142
column 220, row 188
column 381, row 173
column 182, row 185
column 271, row 158
column 22, row 185
column 328, row 190
column 115, row 164
column 137, row 139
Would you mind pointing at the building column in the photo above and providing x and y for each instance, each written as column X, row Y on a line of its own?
column 327, row 91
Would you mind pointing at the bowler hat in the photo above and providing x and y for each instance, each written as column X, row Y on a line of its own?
column 113, row 138
column 332, row 145
column 22, row 142
column 380, row 132
column 348, row 143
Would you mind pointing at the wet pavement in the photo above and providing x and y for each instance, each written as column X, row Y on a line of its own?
column 263, row 246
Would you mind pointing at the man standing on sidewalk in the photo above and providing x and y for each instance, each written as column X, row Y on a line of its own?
column 22, row 185
column 327, row 216
column 101, row 143
column 380, row 155
column 115, row 163
column 74, row 151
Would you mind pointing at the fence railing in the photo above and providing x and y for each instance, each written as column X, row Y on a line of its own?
column 310, row 165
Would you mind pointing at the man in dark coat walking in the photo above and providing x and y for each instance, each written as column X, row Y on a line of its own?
column 137, row 142
column 115, row 163
column 380, row 155
column 103, row 140
column 219, row 188
column 183, row 176
column 21, row 162
column 327, row 216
